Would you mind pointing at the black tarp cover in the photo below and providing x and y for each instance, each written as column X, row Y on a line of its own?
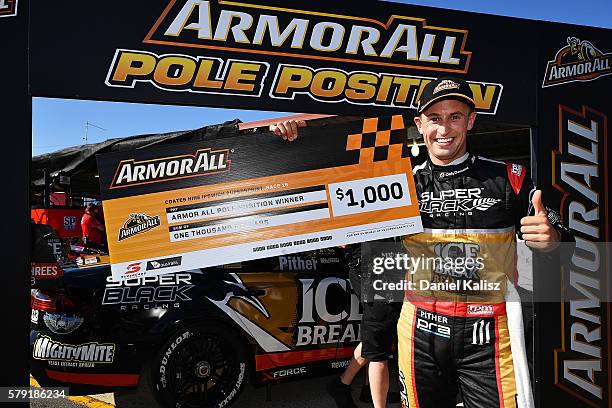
column 79, row 162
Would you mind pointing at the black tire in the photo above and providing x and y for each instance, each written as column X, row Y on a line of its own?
column 200, row 367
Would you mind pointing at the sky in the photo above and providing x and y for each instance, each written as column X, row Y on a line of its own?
column 59, row 123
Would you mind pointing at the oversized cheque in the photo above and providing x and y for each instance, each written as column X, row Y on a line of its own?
column 193, row 205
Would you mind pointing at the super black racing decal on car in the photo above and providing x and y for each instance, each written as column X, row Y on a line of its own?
column 81, row 355
column 163, row 291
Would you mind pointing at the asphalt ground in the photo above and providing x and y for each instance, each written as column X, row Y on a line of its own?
column 295, row 394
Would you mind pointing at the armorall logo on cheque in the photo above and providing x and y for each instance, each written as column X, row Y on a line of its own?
column 138, row 223
column 578, row 61
column 131, row 172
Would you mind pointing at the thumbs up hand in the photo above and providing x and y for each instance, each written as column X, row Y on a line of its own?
column 537, row 231
column 538, row 206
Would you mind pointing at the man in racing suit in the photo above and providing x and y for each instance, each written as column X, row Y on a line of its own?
column 453, row 330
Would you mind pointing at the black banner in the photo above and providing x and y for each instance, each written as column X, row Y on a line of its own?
column 318, row 57
column 16, row 121
column 573, row 338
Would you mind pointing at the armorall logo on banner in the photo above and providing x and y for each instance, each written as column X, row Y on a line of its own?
column 578, row 61
column 404, row 42
column 247, row 32
column 579, row 173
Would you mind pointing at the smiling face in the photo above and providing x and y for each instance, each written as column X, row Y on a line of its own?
column 444, row 126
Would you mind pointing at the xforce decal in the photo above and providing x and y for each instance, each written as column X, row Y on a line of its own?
column 46, row 348
column 289, row 372
column 402, row 42
column 204, row 161
column 578, row 61
column 580, row 173
column 138, row 223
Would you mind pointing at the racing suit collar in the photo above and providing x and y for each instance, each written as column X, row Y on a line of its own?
column 456, row 167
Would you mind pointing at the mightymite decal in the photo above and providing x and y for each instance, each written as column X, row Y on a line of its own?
column 580, row 173
column 144, row 293
column 69, row 355
column 380, row 55
column 578, row 61
column 8, row 8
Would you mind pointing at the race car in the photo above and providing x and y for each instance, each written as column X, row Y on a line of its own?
column 194, row 337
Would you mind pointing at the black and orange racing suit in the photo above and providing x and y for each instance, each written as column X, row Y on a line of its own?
column 454, row 336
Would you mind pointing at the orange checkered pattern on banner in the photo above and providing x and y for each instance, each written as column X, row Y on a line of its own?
column 380, row 139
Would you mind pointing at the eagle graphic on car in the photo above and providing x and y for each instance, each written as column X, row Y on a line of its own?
column 230, row 287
